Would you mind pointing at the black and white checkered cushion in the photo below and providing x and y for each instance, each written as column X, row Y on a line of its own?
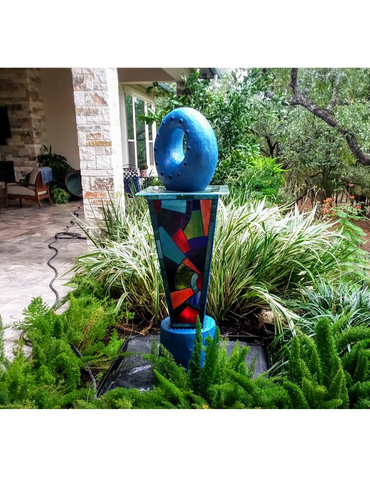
column 131, row 175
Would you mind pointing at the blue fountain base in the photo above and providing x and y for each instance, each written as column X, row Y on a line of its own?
column 180, row 342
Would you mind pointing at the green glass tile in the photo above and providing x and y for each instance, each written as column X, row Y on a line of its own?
column 195, row 225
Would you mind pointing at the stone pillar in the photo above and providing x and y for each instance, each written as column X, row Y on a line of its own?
column 20, row 92
column 96, row 98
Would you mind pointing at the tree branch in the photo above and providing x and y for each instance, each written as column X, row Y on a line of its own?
column 326, row 116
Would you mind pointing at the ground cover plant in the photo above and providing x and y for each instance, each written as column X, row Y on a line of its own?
column 330, row 370
column 61, row 346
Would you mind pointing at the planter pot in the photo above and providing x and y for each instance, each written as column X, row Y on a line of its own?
column 73, row 183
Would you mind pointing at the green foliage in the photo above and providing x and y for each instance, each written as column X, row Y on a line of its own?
column 340, row 300
column 88, row 319
column 3, row 359
column 250, row 177
column 261, row 257
column 57, row 163
column 332, row 368
column 229, row 105
column 37, row 308
column 195, row 361
column 51, row 378
column 59, row 196
column 317, row 155
column 329, row 370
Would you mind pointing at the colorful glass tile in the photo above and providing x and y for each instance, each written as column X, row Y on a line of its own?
column 175, row 205
column 191, row 265
column 180, row 297
column 195, row 227
column 184, row 231
column 180, row 240
column 187, row 316
column 169, row 248
column 206, row 214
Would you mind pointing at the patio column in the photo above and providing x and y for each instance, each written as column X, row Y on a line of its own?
column 96, row 99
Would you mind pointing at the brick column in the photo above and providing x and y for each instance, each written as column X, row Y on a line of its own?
column 96, row 98
column 20, row 92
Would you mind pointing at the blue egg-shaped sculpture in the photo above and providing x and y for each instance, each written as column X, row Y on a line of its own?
column 185, row 151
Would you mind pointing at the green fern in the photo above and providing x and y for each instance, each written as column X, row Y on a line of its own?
column 3, row 360
column 352, row 335
column 172, row 392
column 295, row 373
column 325, row 342
column 297, row 396
column 335, row 389
column 36, row 309
column 362, row 368
column 210, row 369
column 196, row 356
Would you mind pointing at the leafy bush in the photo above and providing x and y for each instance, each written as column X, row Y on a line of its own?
column 330, row 370
column 52, row 377
column 260, row 259
column 57, row 163
column 250, row 177
column 59, row 196
column 344, row 215
column 333, row 301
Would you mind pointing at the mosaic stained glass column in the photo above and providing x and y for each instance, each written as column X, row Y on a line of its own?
column 184, row 226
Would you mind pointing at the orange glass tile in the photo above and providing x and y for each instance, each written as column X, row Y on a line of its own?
column 191, row 266
column 178, row 297
column 205, row 207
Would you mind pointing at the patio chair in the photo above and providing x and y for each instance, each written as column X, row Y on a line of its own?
column 35, row 189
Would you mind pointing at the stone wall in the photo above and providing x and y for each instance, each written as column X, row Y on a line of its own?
column 96, row 98
column 20, row 92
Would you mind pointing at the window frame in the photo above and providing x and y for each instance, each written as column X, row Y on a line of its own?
column 148, row 101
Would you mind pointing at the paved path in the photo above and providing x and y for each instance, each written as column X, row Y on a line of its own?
column 25, row 234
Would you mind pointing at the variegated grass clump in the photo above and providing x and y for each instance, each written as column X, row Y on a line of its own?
column 261, row 257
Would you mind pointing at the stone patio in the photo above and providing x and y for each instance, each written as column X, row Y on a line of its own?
column 25, row 234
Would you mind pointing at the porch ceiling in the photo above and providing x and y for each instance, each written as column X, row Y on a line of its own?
column 145, row 76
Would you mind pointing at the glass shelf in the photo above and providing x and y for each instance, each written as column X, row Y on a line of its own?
column 160, row 193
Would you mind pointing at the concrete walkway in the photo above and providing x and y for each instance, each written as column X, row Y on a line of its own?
column 25, row 234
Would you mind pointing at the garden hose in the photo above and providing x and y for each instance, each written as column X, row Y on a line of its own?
column 77, row 351
column 76, row 236
column 57, row 236
column 60, row 235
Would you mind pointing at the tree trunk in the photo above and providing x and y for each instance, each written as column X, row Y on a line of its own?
column 326, row 115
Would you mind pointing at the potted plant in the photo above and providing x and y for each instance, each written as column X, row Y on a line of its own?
column 58, row 165
column 143, row 167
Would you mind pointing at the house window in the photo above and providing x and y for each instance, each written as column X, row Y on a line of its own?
column 140, row 136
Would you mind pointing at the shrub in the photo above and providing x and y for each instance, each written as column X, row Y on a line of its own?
column 260, row 259
column 57, row 163
column 250, row 178
column 59, row 196
column 52, row 377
